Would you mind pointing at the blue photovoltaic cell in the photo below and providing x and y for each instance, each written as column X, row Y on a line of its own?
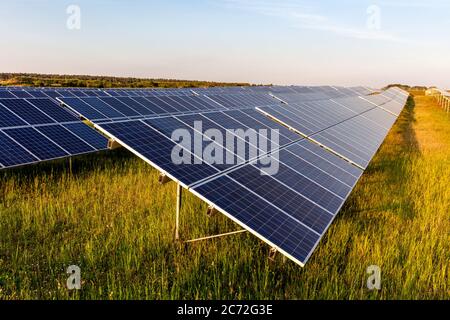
column 320, row 175
column 6, row 95
column 52, row 109
column 265, row 139
column 291, row 200
column 121, row 107
column 289, row 134
column 103, row 107
column 267, row 221
column 65, row 139
column 88, row 135
column 52, row 94
column 168, row 125
column 357, row 139
column 83, row 109
column 285, row 136
column 179, row 105
column 78, row 93
column 165, row 104
column 150, row 105
column 36, row 143
column 291, row 120
column 380, row 117
column 11, row 154
column 38, row 94
column 8, row 119
column 357, row 104
column 201, row 103
column 26, row 111
column 211, row 105
column 21, row 94
column 242, row 147
column 158, row 149
column 326, row 161
column 135, row 105
column 183, row 104
column 394, row 106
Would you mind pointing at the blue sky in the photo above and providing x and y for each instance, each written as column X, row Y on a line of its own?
column 345, row 42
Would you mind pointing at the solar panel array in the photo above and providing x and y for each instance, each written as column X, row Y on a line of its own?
column 34, row 128
column 327, row 137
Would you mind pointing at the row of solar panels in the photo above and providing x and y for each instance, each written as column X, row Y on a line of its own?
column 38, row 129
column 323, row 148
column 28, row 115
column 316, row 92
column 118, row 108
column 320, row 140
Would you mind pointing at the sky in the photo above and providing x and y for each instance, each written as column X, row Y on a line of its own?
column 346, row 42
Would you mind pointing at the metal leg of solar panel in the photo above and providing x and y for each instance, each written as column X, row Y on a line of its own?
column 272, row 253
column 177, row 219
column 113, row 144
column 163, row 178
column 211, row 211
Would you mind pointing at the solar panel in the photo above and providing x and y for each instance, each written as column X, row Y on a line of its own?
column 12, row 154
column 21, row 94
column 82, row 108
column 38, row 94
column 26, row 111
column 30, row 132
column 88, row 135
column 156, row 149
column 52, row 109
column 359, row 138
column 65, row 139
column 9, row 119
column 6, row 95
column 291, row 209
column 103, row 107
column 119, row 106
column 36, row 143
column 140, row 108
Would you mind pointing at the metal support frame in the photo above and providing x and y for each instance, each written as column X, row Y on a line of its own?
column 273, row 253
column 163, row 178
column 177, row 219
column 211, row 211
column 216, row 236
column 113, row 144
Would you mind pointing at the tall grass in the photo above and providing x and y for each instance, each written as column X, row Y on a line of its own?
column 109, row 216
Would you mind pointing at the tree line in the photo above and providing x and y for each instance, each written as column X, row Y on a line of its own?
column 86, row 81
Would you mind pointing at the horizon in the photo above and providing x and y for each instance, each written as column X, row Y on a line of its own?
column 258, row 42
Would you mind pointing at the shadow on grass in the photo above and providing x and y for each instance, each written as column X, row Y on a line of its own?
column 388, row 171
column 75, row 166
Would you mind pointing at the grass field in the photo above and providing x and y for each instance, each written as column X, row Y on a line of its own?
column 110, row 217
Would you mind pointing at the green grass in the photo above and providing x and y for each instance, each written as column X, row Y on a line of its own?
column 110, row 217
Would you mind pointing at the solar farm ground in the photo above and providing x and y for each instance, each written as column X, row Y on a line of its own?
column 107, row 214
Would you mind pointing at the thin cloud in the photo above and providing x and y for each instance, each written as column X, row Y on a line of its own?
column 305, row 17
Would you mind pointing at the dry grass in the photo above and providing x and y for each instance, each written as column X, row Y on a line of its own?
column 112, row 219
